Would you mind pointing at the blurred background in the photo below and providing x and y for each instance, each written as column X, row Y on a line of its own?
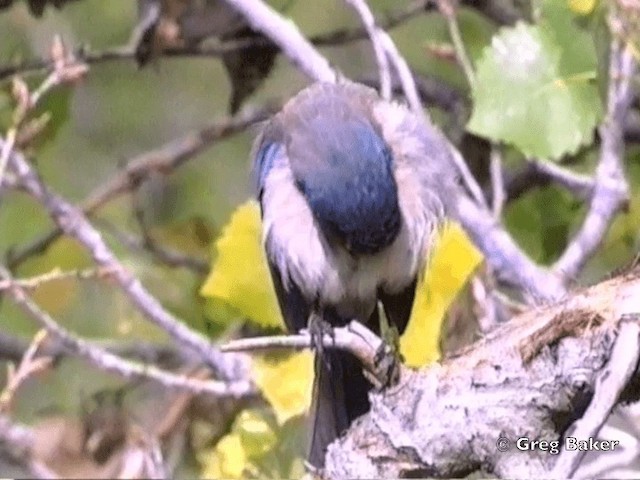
column 123, row 109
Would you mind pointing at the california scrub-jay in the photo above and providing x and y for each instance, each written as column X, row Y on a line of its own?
column 351, row 192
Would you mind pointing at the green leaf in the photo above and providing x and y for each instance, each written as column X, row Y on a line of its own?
column 541, row 222
column 535, row 87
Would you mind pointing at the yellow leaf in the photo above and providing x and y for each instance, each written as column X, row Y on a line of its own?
column 286, row 383
column 582, row 7
column 256, row 433
column 452, row 262
column 240, row 274
column 227, row 460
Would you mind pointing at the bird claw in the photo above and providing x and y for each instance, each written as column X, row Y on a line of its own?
column 318, row 327
column 386, row 367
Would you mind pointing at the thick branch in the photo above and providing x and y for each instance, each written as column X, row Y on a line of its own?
column 526, row 379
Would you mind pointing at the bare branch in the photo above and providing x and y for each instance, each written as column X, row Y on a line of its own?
column 56, row 274
column 166, row 356
column 354, row 338
column 497, row 181
column 127, row 52
column 112, row 363
column 165, row 159
column 287, row 36
column 539, row 173
column 29, row 366
column 16, row 441
column 522, row 381
column 4, row 154
column 390, row 21
column 361, row 7
column 73, row 223
column 510, row 264
column 448, row 10
column 611, row 190
column 608, row 387
column 164, row 255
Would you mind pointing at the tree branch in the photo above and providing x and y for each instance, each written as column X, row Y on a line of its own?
column 608, row 388
column 111, row 363
column 499, row 248
column 73, row 223
column 164, row 159
column 369, row 22
column 525, row 380
column 611, row 191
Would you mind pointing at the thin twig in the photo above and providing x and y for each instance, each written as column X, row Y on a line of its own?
column 509, row 263
column 538, row 173
column 164, row 159
column 390, row 21
column 9, row 143
column 369, row 22
column 164, row 255
column 168, row 356
column 354, row 338
column 71, row 220
column 287, row 36
column 17, row 442
column 112, row 363
column 29, row 366
column 127, row 52
column 56, row 274
column 406, row 77
column 469, row 181
column 611, row 189
column 497, row 181
column 448, row 10
column 611, row 382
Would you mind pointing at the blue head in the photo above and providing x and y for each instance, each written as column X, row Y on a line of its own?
column 342, row 166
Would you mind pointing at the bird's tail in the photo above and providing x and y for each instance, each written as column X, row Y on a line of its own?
column 340, row 395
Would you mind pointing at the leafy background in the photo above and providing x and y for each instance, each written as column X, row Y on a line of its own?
column 538, row 91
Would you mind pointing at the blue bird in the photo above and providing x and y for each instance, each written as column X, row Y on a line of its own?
column 351, row 192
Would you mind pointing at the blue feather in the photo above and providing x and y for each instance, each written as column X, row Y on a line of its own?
column 265, row 160
column 349, row 185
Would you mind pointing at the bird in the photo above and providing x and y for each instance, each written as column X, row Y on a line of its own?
column 352, row 191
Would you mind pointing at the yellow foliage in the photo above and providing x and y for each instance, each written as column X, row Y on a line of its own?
column 227, row 460
column 256, row 433
column 256, row 447
column 453, row 260
column 240, row 278
column 582, row 7
column 285, row 382
column 240, row 275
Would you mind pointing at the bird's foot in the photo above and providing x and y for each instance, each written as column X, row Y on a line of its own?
column 318, row 328
column 386, row 364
